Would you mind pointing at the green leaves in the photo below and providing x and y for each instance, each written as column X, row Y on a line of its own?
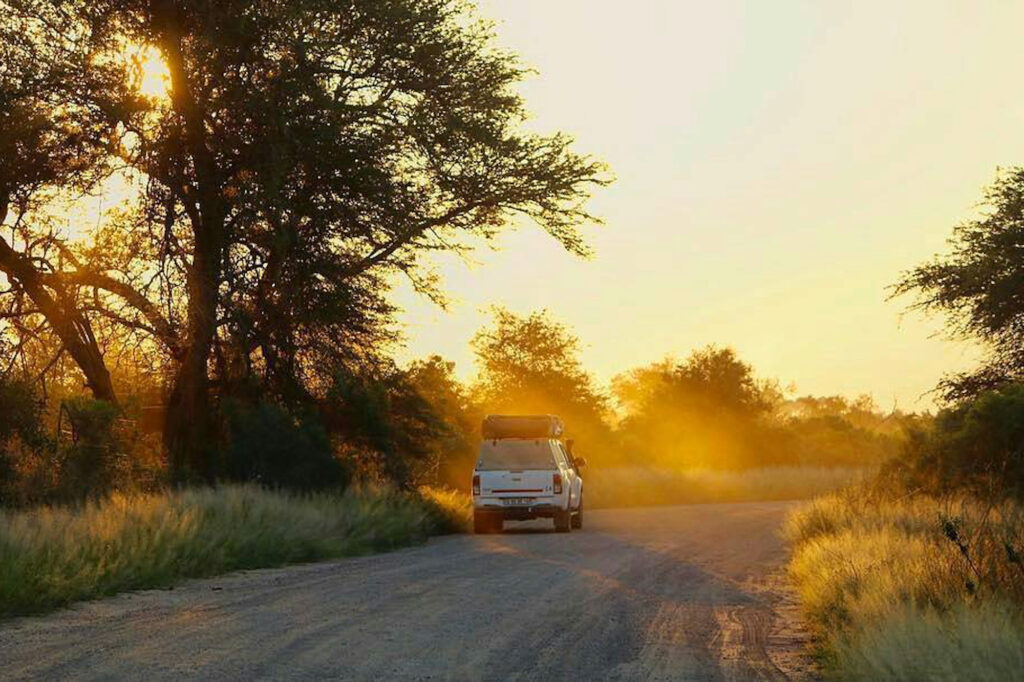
column 979, row 286
column 308, row 152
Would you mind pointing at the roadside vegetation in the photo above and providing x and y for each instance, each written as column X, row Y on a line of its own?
column 916, row 588
column 54, row 556
column 702, row 429
column 918, row 573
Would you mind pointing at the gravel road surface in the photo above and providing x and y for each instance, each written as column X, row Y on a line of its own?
column 668, row 593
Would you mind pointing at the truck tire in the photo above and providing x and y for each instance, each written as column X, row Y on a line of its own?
column 485, row 523
column 577, row 518
column 563, row 521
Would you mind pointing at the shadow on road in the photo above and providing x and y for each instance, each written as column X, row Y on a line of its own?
column 534, row 527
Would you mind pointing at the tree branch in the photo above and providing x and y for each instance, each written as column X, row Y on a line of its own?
column 158, row 324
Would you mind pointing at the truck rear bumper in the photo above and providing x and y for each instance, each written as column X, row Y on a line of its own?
column 538, row 511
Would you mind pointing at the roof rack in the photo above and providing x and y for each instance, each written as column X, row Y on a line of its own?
column 498, row 426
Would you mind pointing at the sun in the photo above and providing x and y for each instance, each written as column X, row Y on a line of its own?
column 154, row 78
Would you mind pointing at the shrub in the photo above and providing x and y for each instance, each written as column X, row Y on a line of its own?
column 977, row 445
column 270, row 446
column 390, row 430
column 101, row 451
column 27, row 455
column 21, row 412
column 94, row 462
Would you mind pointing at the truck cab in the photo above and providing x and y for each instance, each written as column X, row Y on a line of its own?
column 525, row 471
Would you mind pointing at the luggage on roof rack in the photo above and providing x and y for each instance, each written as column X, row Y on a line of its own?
column 498, row 426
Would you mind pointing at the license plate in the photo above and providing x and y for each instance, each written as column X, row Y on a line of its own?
column 518, row 501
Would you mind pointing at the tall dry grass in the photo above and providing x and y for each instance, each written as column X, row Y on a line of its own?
column 638, row 486
column 981, row 643
column 913, row 588
column 50, row 557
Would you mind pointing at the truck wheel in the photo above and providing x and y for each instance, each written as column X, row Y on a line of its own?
column 484, row 523
column 563, row 521
column 577, row 518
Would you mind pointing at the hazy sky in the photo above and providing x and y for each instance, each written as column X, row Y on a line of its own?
column 779, row 164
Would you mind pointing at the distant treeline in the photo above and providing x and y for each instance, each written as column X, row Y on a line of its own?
column 420, row 423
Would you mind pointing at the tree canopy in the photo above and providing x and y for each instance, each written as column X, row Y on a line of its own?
column 704, row 411
column 531, row 365
column 308, row 152
column 979, row 286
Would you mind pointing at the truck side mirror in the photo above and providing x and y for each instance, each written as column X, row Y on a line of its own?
column 569, row 444
column 580, row 462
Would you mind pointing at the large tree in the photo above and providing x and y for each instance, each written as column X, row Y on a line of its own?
column 307, row 152
column 530, row 364
column 452, row 454
column 979, row 286
column 706, row 411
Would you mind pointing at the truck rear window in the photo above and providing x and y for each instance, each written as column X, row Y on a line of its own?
column 515, row 454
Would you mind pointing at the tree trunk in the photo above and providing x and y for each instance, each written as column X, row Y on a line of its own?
column 189, row 433
column 189, row 429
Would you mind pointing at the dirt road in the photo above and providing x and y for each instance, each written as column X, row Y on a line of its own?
column 668, row 593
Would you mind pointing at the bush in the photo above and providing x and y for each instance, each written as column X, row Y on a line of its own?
column 834, row 441
column 27, row 455
column 100, row 450
column 976, row 446
column 267, row 445
column 21, row 413
column 94, row 463
column 390, row 430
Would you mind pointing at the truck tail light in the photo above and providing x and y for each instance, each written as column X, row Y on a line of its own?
column 557, row 481
column 476, row 484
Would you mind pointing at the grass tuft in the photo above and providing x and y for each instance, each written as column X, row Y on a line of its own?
column 909, row 589
column 51, row 557
column 981, row 643
column 451, row 510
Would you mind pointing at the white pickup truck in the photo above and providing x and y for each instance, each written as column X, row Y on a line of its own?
column 525, row 471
